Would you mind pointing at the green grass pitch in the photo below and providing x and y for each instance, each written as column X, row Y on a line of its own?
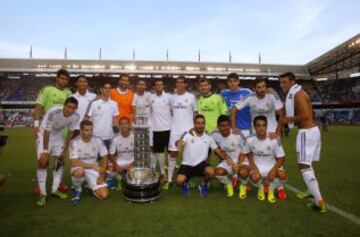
column 338, row 173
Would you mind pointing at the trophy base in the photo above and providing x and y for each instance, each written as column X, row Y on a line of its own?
column 141, row 185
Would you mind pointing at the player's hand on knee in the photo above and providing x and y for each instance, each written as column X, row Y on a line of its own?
column 235, row 168
column 274, row 135
column 272, row 174
column 44, row 159
column 100, row 180
column 237, row 131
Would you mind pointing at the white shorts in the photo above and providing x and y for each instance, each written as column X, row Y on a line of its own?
column 124, row 163
column 56, row 144
column 173, row 138
column 308, row 145
column 91, row 177
column 265, row 168
column 223, row 164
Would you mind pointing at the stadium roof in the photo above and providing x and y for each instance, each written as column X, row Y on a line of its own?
column 43, row 66
column 344, row 57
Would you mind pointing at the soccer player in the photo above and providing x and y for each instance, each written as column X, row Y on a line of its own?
column 183, row 107
column 232, row 144
column 266, row 159
column 51, row 96
column 122, row 150
column 123, row 96
column 308, row 141
column 160, row 116
column 102, row 112
column 236, row 94
column 83, row 96
column 209, row 104
column 261, row 103
column 85, row 166
column 50, row 142
column 196, row 144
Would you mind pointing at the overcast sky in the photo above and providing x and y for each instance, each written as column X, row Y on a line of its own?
column 284, row 31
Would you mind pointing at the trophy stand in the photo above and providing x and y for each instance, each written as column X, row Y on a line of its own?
column 141, row 183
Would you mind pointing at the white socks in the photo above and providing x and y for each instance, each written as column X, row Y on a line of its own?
column 311, row 183
column 57, row 176
column 224, row 179
column 161, row 157
column 172, row 166
column 41, row 178
column 154, row 159
column 244, row 181
column 77, row 182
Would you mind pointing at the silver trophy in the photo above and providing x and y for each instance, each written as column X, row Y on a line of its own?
column 141, row 183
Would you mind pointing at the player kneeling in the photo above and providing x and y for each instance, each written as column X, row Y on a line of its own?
column 85, row 166
column 196, row 144
column 266, row 159
column 231, row 144
column 122, row 151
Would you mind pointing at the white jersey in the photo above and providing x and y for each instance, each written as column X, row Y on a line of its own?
column 143, row 101
column 123, row 148
column 264, row 151
column 232, row 144
column 160, row 112
column 83, row 103
column 87, row 152
column 54, row 121
column 196, row 148
column 102, row 113
column 266, row 106
column 183, row 108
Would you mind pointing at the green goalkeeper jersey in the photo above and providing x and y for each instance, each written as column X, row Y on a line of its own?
column 211, row 106
column 51, row 96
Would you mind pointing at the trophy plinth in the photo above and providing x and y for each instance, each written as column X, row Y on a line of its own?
column 141, row 183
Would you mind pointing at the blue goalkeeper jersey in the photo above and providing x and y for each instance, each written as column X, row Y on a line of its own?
column 243, row 116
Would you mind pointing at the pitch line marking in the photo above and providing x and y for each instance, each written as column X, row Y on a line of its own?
column 332, row 208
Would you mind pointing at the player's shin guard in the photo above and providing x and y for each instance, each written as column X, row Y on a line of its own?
column 77, row 182
column 41, row 178
column 172, row 166
column 162, row 162
column 312, row 183
column 223, row 179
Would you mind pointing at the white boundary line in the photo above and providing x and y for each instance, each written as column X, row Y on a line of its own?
column 332, row 208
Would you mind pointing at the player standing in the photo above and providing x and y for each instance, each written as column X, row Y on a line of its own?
column 123, row 97
column 50, row 142
column 308, row 141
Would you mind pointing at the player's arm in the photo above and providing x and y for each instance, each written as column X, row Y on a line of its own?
column 224, row 156
column 241, row 159
column 102, row 171
column 303, row 110
column 238, row 106
column 252, row 164
column 180, row 144
column 279, row 163
column 44, row 156
column 113, row 157
column 280, row 113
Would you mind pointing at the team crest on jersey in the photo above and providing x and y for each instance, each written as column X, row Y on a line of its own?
column 192, row 141
column 268, row 148
column 99, row 107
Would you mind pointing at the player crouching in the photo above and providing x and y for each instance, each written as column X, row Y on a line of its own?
column 85, row 166
column 196, row 144
column 266, row 160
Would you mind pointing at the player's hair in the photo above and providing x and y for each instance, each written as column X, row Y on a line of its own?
column 62, row 72
column 104, row 83
column 260, row 118
column 198, row 116
column 124, row 118
column 71, row 100
column 259, row 80
column 223, row 118
column 157, row 80
column 181, row 78
column 233, row 75
column 289, row 75
column 139, row 80
column 85, row 123
column 204, row 79
column 123, row 75
column 81, row 76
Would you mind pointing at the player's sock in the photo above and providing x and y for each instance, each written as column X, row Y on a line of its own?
column 162, row 162
column 119, row 177
column 154, row 159
column 244, row 181
column 312, row 183
column 77, row 182
column 224, row 179
column 172, row 166
column 57, row 176
column 41, row 177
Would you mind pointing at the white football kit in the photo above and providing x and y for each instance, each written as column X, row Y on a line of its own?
column 266, row 106
column 308, row 145
column 265, row 152
column 88, row 152
column 183, row 109
column 123, row 148
column 55, row 122
column 83, row 103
